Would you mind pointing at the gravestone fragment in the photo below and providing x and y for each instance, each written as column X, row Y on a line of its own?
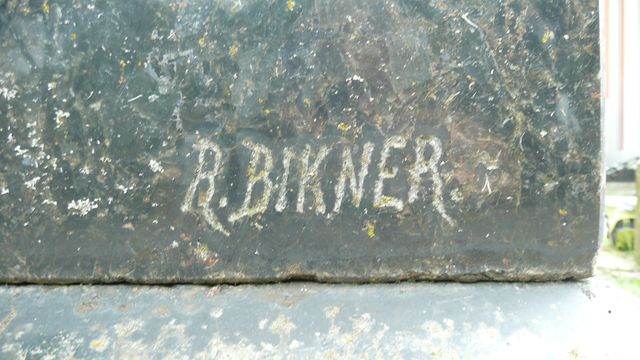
column 251, row 141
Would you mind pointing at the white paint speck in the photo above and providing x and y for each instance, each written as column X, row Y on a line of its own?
column 60, row 117
column 295, row 344
column 155, row 166
column 31, row 184
column 19, row 151
column 134, row 98
column 8, row 94
column 124, row 189
column 49, row 202
column 83, row 206
column 456, row 195
column 355, row 78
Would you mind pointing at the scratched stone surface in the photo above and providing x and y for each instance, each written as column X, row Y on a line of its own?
column 250, row 141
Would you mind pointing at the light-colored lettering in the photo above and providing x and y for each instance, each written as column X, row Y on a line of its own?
column 379, row 199
column 205, row 146
column 421, row 166
column 258, row 152
column 281, row 204
column 309, row 176
column 356, row 183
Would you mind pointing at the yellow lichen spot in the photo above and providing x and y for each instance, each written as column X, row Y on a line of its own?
column 203, row 40
column 123, row 64
column 74, row 36
column 294, row 269
column 282, row 325
column 291, row 5
column 563, row 212
column 45, row 7
column 371, row 229
column 202, row 251
column 100, row 344
column 384, row 201
column 204, row 255
column 343, row 127
column 331, row 312
column 547, row 36
column 233, row 51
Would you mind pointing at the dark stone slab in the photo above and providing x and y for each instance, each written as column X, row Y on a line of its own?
column 247, row 141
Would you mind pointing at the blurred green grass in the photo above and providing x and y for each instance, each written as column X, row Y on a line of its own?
column 629, row 284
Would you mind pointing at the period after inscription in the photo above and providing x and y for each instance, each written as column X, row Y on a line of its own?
column 348, row 140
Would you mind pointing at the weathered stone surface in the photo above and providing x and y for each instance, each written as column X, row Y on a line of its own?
column 228, row 141
column 320, row 321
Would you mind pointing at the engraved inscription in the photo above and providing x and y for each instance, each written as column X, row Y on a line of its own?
column 381, row 200
column 308, row 168
column 356, row 183
column 258, row 152
column 205, row 146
